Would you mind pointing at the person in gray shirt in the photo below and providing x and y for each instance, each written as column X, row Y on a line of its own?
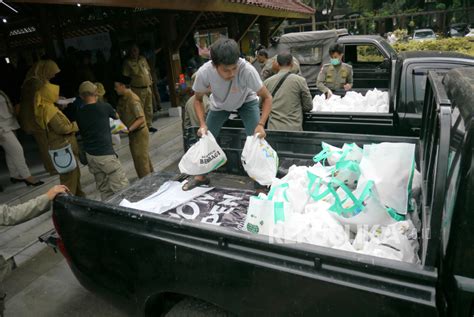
column 235, row 86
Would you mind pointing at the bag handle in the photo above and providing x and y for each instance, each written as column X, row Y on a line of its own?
column 272, row 191
column 277, row 87
column 357, row 206
column 316, row 196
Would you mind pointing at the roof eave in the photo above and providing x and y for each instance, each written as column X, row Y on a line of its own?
column 184, row 5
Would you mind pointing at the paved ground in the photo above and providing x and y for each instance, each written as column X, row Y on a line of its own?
column 41, row 283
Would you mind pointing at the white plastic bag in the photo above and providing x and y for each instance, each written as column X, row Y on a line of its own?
column 391, row 167
column 397, row 241
column 259, row 160
column 203, row 157
column 117, row 126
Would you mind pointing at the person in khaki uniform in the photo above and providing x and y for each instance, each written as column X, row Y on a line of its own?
column 59, row 130
column 335, row 75
column 26, row 116
column 131, row 113
column 190, row 116
column 93, row 121
column 13, row 215
column 271, row 68
column 136, row 67
column 291, row 99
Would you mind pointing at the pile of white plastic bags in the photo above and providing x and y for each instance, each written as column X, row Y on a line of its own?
column 373, row 101
column 354, row 199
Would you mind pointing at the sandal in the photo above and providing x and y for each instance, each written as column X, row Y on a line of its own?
column 193, row 183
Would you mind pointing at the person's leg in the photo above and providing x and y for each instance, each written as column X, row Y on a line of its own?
column 95, row 168
column 72, row 180
column 215, row 120
column 250, row 115
column 148, row 106
column 15, row 157
column 115, row 179
column 42, row 141
column 138, row 142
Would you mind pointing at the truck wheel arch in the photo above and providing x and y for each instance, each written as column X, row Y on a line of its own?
column 175, row 305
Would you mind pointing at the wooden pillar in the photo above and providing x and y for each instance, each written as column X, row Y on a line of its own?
column 45, row 31
column 171, row 52
column 264, row 27
column 233, row 27
column 59, row 34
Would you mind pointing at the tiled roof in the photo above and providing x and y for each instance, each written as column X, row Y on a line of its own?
column 282, row 5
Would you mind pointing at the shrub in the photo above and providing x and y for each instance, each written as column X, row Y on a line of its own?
column 460, row 45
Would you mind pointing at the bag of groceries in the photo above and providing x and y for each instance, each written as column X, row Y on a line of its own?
column 203, row 157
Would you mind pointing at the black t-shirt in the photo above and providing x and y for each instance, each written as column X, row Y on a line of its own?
column 94, row 126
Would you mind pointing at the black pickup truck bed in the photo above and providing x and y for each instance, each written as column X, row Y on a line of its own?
column 146, row 262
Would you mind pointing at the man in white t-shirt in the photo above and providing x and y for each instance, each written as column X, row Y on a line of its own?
column 235, row 85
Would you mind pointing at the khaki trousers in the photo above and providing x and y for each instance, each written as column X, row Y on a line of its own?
column 138, row 141
column 108, row 173
column 42, row 140
column 14, row 155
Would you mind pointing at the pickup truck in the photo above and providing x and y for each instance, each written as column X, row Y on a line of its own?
column 193, row 259
column 375, row 64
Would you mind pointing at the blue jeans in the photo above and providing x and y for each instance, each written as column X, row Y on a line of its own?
column 249, row 113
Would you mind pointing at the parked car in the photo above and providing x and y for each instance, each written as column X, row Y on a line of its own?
column 471, row 33
column 423, row 35
column 458, row 30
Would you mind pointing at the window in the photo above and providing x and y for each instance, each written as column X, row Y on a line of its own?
column 307, row 55
column 369, row 54
column 365, row 54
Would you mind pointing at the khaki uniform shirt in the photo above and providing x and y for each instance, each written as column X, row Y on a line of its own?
column 10, row 216
column 290, row 102
column 334, row 77
column 129, row 108
column 190, row 117
column 267, row 70
column 139, row 71
column 61, row 132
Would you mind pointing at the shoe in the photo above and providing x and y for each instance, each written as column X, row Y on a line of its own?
column 38, row 183
column 16, row 180
column 152, row 130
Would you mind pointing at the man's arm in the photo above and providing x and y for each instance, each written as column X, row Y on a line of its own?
column 136, row 124
column 200, row 112
column 10, row 216
column 320, row 81
column 305, row 95
column 266, row 98
column 350, row 80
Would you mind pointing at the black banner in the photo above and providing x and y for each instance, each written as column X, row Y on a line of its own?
column 220, row 207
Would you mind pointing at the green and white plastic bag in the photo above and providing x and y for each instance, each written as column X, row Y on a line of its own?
column 361, row 207
column 390, row 166
column 349, row 152
column 263, row 214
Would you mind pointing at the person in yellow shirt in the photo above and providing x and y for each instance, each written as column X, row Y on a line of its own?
column 26, row 116
column 60, row 132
